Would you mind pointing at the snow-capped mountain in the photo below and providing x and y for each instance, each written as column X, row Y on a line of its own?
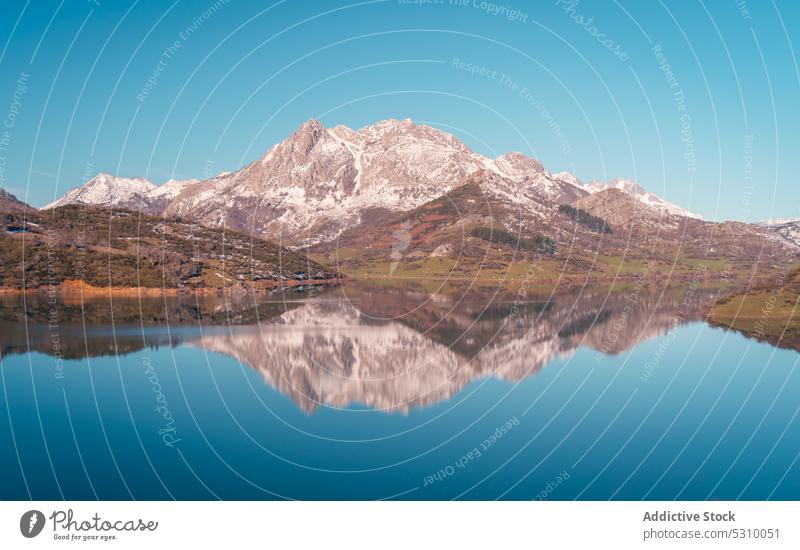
column 171, row 188
column 775, row 222
column 133, row 193
column 569, row 188
column 641, row 194
column 788, row 228
column 570, row 179
column 107, row 190
column 624, row 209
column 320, row 181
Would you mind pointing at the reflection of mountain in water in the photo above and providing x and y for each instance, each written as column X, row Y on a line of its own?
column 384, row 348
column 337, row 352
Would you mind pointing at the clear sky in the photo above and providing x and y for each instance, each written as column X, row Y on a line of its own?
column 696, row 100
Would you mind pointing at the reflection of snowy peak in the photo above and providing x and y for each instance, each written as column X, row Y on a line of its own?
column 328, row 352
column 330, row 355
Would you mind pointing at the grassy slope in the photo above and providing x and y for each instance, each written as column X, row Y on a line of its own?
column 581, row 252
column 497, row 265
column 767, row 312
column 126, row 249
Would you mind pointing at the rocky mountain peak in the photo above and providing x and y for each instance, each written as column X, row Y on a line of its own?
column 306, row 137
column 171, row 188
column 516, row 165
column 638, row 192
column 392, row 132
column 393, row 124
column 107, row 190
column 628, row 186
column 773, row 222
column 787, row 228
column 320, row 181
column 569, row 178
column 10, row 203
column 620, row 208
column 6, row 196
column 104, row 178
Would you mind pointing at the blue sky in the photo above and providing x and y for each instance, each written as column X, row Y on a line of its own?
column 695, row 100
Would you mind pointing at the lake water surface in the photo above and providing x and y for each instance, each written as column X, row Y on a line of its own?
column 378, row 392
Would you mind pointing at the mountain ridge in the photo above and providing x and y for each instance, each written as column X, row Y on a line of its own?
column 135, row 193
column 483, row 227
column 396, row 194
column 787, row 228
column 128, row 250
column 319, row 181
column 10, row 203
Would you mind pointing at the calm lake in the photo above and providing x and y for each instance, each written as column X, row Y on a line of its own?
column 412, row 392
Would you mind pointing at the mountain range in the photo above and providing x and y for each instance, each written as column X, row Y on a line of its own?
column 399, row 193
column 319, row 181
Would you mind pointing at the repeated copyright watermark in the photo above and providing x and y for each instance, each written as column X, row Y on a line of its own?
column 473, row 454
column 10, row 122
column 168, row 430
column 169, row 53
column 588, row 23
column 522, row 92
column 679, row 97
column 490, row 8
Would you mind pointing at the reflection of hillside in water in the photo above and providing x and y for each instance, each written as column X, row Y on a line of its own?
column 384, row 348
column 92, row 327
column 395, row 349
column 72, row 342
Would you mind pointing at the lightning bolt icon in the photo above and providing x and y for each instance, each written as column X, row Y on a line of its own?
column 34, row 520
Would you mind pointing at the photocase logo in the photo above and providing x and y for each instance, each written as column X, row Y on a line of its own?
column 31, row 523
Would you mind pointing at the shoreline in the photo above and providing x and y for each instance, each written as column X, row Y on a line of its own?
column 566, row 280
column 79, row 288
